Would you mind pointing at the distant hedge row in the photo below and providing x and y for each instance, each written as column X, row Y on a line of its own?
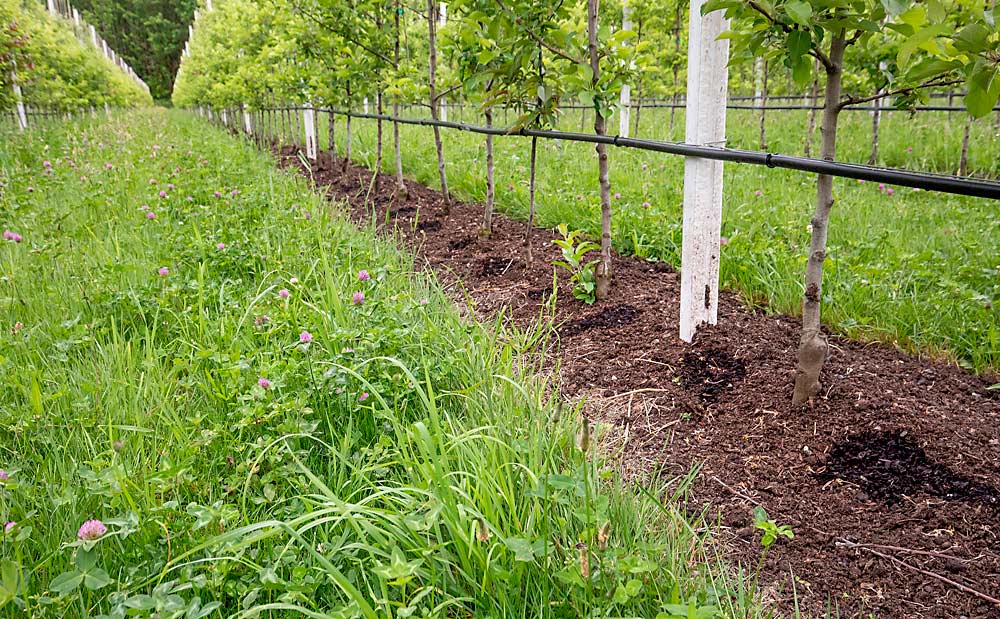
column 55, row 68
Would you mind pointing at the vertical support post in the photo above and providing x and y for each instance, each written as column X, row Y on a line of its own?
column 93, row 36
column 22, row 116
column 309, row 120
column 625, row 99
column 52, row 6
column 225, row 119
column 443, row 17
column 707, row 89
column 247, row 124
column 365, row 102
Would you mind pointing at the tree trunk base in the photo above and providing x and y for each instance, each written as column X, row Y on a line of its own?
column 603, row 276
column 812, row 353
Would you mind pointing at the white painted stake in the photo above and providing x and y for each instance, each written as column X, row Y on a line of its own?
column 52, row 6
column 442, row 14
column 225, row 120
column 443, row 112
column 93, row 35
column 76, row 17
column 707, row 89
column 309, row 120
column 366, row 105
column 22, row 117
column 247, row 123
column 208, row 5
column 625, row 99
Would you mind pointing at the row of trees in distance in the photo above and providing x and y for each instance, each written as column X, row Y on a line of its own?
column 533, row 58
column 51, row 62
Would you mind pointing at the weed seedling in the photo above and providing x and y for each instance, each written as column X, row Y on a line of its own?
column 574, row 248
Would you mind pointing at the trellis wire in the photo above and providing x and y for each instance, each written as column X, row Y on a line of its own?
column 905, row 178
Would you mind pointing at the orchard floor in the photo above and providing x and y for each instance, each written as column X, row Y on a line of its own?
column 890, row 481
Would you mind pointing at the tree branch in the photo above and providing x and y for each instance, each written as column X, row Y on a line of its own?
column 342, row 33
column 815, row 53
column 932, row 83
column 538, row 39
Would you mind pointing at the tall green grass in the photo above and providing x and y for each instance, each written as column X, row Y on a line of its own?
column 916, row 269
column 404, row 462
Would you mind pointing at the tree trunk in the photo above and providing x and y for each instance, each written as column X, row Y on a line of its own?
column 378, row 133
column 638, row 84
column 813, row 345
column 347, row 136
column 400, row 185
column 677, row 51
column 763, row 108
column 347, row 145
column 490, row 187
column 963, row 163
column 812, row 111
column 531, row 201
column 604, row 265
column 432, row 83
column 333, row 136
column 299, row 124
column 638, row 106
column 876, row 119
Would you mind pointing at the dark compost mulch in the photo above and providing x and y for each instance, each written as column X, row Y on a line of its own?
column 890, row 480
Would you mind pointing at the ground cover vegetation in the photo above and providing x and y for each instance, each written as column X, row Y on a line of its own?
column 222, row 399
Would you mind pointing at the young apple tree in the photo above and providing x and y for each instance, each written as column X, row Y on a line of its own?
column 937, row 45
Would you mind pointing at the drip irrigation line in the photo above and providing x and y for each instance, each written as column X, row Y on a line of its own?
column 920, row 180
column 656, row 104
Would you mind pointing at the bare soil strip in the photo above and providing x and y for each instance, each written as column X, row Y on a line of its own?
column 891, row 480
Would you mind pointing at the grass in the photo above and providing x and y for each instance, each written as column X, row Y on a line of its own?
column 916, row 269
column 404, row 462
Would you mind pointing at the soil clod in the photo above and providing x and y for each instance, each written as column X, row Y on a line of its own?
column 612, row 317
column 493, row 266
column 891, row 465
column 711, row 372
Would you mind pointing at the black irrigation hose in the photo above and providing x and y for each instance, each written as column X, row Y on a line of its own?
column 921, row 180
column 846, row 108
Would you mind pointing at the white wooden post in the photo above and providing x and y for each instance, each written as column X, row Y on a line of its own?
column 247, row 124
column 625, row 99
column 309, row 120
column 76, row 17
column 442, row 14
column 225, row 120
column 22, row 117
column 443, row 111
column 707, row 89
column 366, row 105
column 52, row 6
column 93, row 35
column 208, row 5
